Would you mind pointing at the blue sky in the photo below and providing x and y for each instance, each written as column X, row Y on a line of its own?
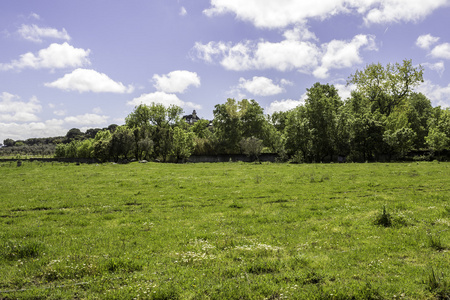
column 86, row 64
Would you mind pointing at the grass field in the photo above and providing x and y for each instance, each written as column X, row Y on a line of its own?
column 225, row 231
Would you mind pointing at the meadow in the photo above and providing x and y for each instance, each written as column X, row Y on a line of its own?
column 225, row 231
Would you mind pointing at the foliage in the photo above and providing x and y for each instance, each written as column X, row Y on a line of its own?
column 252, row 147
column 183, row 143
column 387, row 87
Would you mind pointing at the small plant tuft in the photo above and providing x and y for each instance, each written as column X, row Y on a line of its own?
column 435, row 242
column 438, row 285
column 384, row 219
column 13, row 250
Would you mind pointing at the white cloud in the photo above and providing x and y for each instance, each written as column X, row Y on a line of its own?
column 261, row 86
column 21, row 131
column 87, row 119
column 176, row 81
column 34, row 16
column 425, row 41
column 283, row 56
column 441, row 51
column 289, row 54
column 35, row 33
column 12, row 109
column 56, row 56
column 162, row 98
column 183, row 11
column 282, row 13
column 274, row 14
column 439, row 67
column 300, row 33
column 60, row 113
column 393, row 11
column 84, row 80
column 341, row 54
column 345, row 91
column 284, row 105
column 437, row 94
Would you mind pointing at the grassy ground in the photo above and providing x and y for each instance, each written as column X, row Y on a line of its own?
column 225, row 231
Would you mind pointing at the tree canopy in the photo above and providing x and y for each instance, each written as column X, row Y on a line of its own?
column 383, row 119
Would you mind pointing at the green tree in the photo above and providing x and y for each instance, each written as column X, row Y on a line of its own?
column 322, row 105
column 236, row 120
column 101, row 145
column 387, row 87
column 227, row 126
column 122, row 142
column 74, row 134
column 419, row 112
column 183, row 143
column 155, row 121
column 60, row 150
column 85, row 149
column 438, row 137
column 8, row 142
column 252, row 147
column 297, row 134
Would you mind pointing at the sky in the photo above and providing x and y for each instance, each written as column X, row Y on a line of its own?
column 87, row 63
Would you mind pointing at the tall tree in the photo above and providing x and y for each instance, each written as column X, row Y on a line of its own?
column 322, row 105
column 387, row 87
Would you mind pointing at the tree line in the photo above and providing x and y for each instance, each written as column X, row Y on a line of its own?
column 383, row 119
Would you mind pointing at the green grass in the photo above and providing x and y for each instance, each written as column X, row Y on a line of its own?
column 225, row 231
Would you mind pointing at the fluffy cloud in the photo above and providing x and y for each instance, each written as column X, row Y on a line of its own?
column 84, row 80
column 183, row 11
column 289, row 54
column 300, row 33
column 274, row 14
column 176, row 81
column 283, row 56
column 280, row 14
column 162, row 98
column 35, row 33
column 56, row 56
column 87, row 119
column 425, row 41
column 389, row 11
column 441, row 51
column 12, row 109
column 284, row 105
column 437, row 94
column 261, row 86
column 342, row 54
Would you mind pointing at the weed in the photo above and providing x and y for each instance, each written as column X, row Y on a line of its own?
column 114, row 265
column 236, row 204
column 166, row 292
column 435, row 242
column 438, row 285
column 13, row 250
column 384, row 219
column 263, row 267
column 312, row 277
